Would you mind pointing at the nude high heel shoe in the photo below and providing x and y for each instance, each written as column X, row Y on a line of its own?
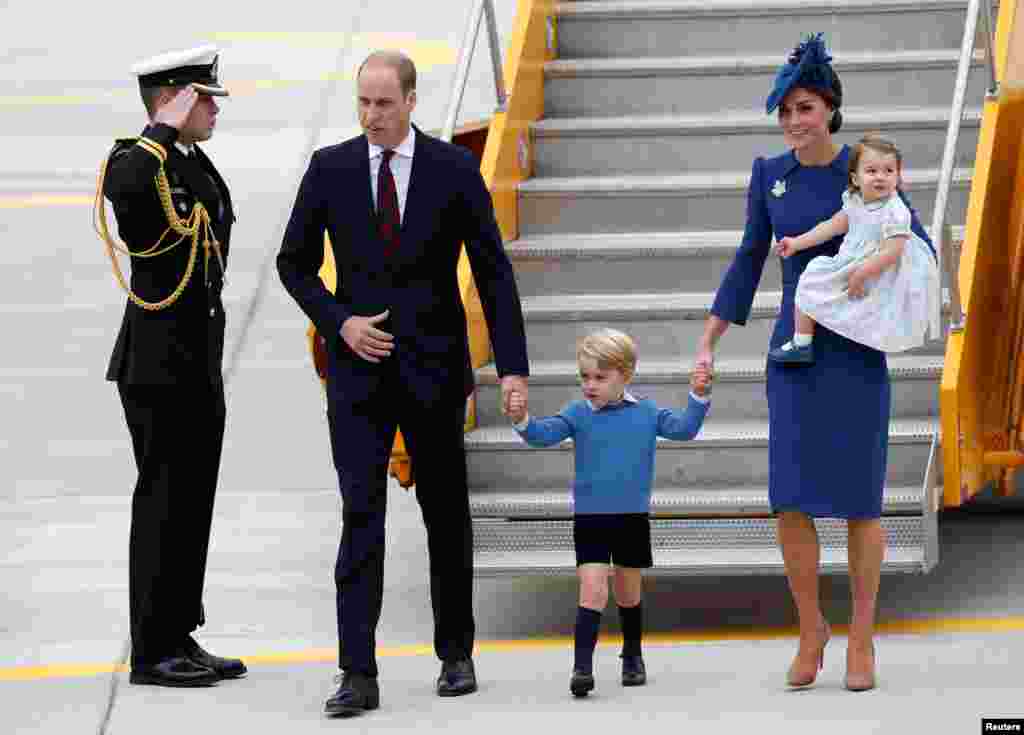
column 860, row 681
column 801, row 675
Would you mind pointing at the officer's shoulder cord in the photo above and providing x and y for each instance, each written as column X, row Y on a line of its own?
column 195, row 226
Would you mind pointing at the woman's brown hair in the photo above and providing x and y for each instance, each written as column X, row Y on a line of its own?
column 879, row 145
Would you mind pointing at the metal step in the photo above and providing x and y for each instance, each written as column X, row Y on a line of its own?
column 618, row 262
column 727, row 141
column 701, row 85
column 664, row 325
column 724, row 454
column 666, row 502
column 739, row 390
column 604, row 204
column 655, row 27
column 691, row 546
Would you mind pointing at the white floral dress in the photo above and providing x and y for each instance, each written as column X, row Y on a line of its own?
column 897, row 306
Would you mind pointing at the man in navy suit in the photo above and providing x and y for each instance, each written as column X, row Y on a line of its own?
column 398, row 205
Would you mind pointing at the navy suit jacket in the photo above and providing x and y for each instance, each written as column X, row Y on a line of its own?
column 447, row 205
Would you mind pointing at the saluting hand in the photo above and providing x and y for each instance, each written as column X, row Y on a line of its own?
column 364, row 339
column 176, row 110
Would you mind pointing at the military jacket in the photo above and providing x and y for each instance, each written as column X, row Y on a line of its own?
column 185, row 341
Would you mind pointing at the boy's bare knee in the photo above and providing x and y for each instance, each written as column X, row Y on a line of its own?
column 628, row 587
column 593, row 586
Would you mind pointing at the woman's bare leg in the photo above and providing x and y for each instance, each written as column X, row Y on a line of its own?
column 798, row 539
column 867, row 549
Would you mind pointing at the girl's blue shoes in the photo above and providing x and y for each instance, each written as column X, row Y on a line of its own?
column 790, row 354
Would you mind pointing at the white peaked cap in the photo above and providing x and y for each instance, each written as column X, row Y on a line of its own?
column 195, row 66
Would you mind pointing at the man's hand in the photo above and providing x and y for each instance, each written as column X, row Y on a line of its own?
column 364, row 339
column 516, row 407
column 176, row 110
column 855, row 284
column 513, row 384
column 700, row 380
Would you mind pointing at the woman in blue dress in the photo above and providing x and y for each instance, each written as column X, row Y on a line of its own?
column 829, row 421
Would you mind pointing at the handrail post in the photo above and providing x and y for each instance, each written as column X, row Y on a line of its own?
column 990, row 45
column 949, row 154
column 462, row 70
column 481, row 9
column 499, row 74
column 956, row 323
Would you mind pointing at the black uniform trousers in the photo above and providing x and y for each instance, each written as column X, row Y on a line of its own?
column 177, row 432
column 362, row 435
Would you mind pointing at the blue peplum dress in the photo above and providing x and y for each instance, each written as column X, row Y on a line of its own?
column 828, row 422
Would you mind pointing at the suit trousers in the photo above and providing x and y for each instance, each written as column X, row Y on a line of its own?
column 177, row 433
column 362, row 434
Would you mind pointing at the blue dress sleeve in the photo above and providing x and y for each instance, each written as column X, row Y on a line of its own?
column 550, row 430
column 682, row 425
column 736, row 293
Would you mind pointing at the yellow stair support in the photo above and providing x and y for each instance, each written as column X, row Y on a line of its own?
column 983, row 379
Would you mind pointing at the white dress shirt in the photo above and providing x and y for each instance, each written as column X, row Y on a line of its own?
column 401, row 169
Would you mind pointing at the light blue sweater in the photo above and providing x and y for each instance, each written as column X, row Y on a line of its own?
column 614, row 448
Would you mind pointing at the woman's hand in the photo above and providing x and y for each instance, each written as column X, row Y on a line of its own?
column 855, row 284
column 700, row 380
column 703, row 367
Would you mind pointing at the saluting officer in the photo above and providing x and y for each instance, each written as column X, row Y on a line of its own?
column 174, row 215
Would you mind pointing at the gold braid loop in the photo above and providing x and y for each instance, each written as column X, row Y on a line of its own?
column 195, row 226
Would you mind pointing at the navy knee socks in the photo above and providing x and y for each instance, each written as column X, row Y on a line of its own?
column 588, row 622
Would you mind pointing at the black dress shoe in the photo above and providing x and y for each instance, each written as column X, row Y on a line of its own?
column 356, row 694
column 178, row 671
column 581, row 683
column 457, row 678
column 634, row 673
column 225, row 668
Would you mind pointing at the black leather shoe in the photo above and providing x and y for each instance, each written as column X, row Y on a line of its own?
column 581, row 683
column 356, row 694
column 225, row 668
column 634, row 673
column 178, row 671
column 457, row 678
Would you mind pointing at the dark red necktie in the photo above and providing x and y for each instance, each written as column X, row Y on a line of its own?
column 389, row 220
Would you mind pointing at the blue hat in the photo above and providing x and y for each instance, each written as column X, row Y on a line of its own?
column 808, row 67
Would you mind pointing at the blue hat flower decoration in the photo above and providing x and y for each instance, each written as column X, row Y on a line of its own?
column 808, row 66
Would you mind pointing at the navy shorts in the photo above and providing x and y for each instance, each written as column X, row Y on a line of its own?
column 622, row 539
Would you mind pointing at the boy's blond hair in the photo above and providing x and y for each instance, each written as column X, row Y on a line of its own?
column 610, row 349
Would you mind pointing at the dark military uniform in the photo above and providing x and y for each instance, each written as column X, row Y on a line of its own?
column 167, row 364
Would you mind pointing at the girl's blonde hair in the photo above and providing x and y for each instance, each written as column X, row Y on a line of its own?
column 877, row 144
column 610, row 349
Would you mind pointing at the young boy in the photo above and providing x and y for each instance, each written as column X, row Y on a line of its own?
column 615, row 435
